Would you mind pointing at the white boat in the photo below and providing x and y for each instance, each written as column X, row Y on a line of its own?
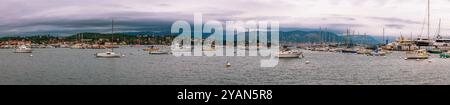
column 289, row 54
column 442, row 43
column 108, row 54
column 417, row 54
column 23, row 49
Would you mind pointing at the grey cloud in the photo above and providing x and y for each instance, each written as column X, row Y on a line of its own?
column 397, row 20
column 338, row 17
column 340, row 25
column 396, row 26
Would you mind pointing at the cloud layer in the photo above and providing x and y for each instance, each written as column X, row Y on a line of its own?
column 71, row 16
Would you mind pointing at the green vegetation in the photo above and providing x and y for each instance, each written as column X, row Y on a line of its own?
column 95, row 38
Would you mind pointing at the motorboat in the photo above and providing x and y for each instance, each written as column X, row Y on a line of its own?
column 289, row 54
column 157, row 50
column 417, row 54
column 23, row 49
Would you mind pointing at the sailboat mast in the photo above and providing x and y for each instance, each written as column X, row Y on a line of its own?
column 321, row 39
column 439, row 29
column 346, row 38
column 428, row 30
column 384, row 41
column 112, row 30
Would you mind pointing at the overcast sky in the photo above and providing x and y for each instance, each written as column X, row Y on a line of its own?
column 364, row 16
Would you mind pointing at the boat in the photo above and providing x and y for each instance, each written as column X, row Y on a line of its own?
column 23, row 49
column 402, row 44
column 157, row 50
column 445, row 55
column 110, row 52
column 434, row 51
column 348, row 50
column 363, row 51
column 442, row 43
column 425, row 41
column 336, row 49
column 417, row 54
column 289, row 54
column 378, row 52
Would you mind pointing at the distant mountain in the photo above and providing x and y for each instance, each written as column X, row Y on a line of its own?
column 317, row 37
column 295, row 36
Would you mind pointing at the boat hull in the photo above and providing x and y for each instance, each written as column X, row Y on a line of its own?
column 23, row 51
column 158, row 53
column 105, row 55
column 348, row 51
column 417, row 57
column 289, row 55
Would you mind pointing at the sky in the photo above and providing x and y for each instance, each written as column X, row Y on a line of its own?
column 398, row 17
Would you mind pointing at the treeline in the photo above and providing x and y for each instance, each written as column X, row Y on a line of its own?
column 95, row 38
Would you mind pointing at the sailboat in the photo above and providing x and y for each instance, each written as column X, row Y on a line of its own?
column 110, row 52
column 348, row 49
column 421, row 53
column 425, row 41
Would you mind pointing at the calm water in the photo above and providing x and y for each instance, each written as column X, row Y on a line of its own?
column 79, row 67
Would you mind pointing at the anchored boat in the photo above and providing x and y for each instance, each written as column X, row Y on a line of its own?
column 417, row 54
column 110, row 52
column 289, row 54
column 23, row 49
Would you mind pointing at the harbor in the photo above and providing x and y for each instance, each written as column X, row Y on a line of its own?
column 80, row 67
column 333, row 43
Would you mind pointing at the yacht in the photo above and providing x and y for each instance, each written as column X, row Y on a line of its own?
column 442, row 43
column 23, row 49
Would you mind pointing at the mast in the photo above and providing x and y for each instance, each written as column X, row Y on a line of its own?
column 112, row 31
column 320, row 35
column 439, row 29
column 384, row 41
column 112, row 35
column 428, row 30
column 410, row 36
column 326, row 36
column 346, row 39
